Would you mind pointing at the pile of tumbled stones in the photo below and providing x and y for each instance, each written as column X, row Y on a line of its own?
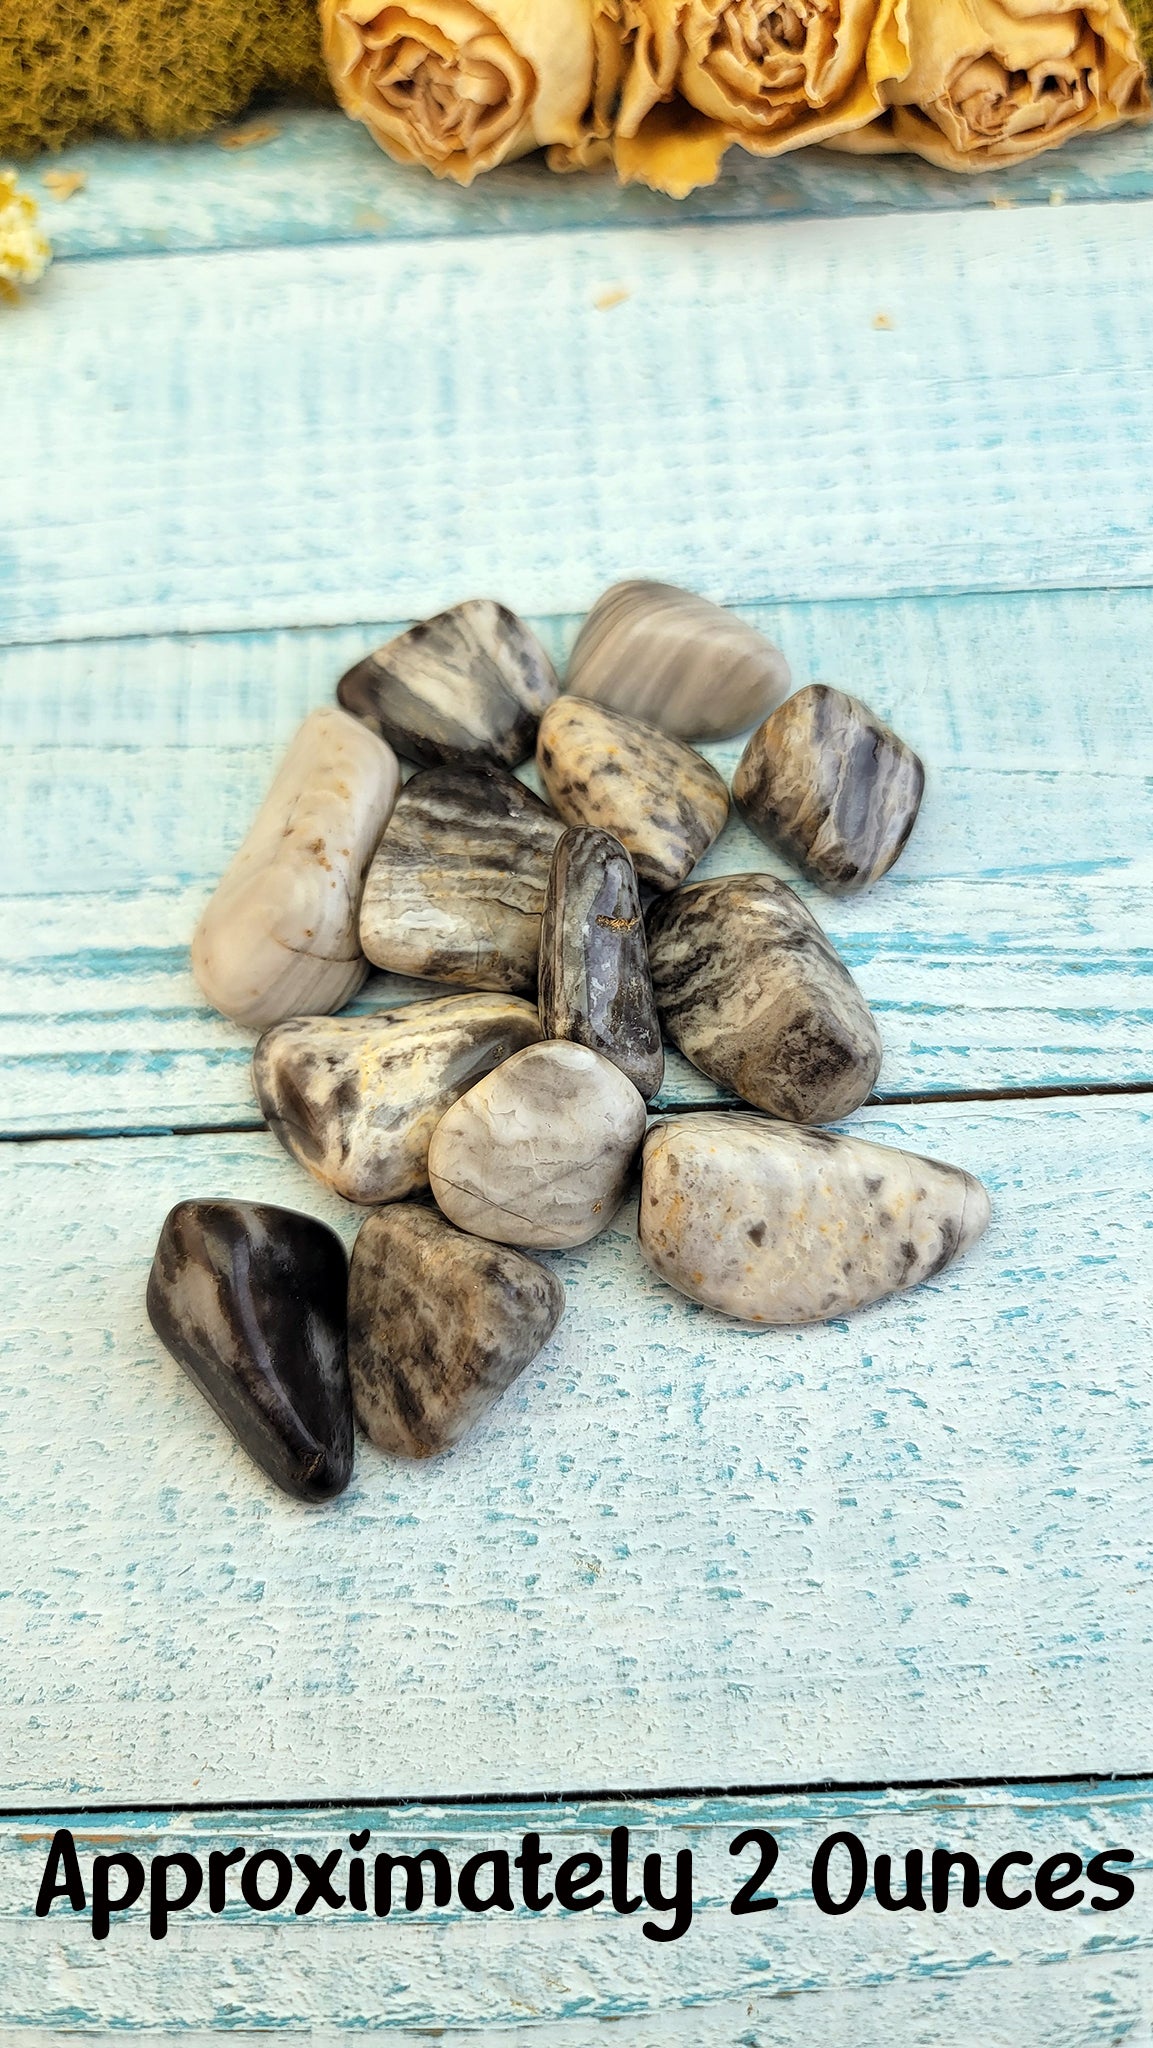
column 522, row 1105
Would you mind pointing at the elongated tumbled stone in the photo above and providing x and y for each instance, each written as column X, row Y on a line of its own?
column 778, row 1225
column 458, row 884
column 662, row 654
column 826, row 781
column 654, row 794
column 538, row 1153
column 357, row 1099
column 595, row 986
column 749, row 988
column 439, row 1324
column 459, row 690
column 252, row 1301
column 279, row 936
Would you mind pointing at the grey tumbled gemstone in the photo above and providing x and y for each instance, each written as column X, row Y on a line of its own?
column 774, row 1225
column 458, row 690
column 539, row 1152
column 439, row 1324
column 826, row 781
column 749, row 988
column 457, row 887
column 677, row 661
column 595, row 985
column 356, row 1099
column 653, row 793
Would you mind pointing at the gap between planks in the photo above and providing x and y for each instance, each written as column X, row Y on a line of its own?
column 1078, row 1091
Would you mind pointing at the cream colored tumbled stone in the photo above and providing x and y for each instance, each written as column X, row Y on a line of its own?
column 538, row 1153
column 279, row 936
column 776, row 1224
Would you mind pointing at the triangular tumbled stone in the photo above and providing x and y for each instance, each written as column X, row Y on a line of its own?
column 252, row 1300
column 357, row 1099
column 439, row 1324
column 773, row 1224
column 459, row 690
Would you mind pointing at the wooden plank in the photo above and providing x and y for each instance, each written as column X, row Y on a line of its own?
column 322, row 179
column 681, row 1554
column 752, row 1981
column 296, row 436
column 1009, row 948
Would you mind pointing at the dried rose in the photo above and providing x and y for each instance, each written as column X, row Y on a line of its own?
column 461, row 88
column 24, row 253
column 993, row 81
column 770, row 75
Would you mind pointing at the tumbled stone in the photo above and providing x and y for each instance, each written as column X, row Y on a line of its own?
column 830, row 785
column 279, row 936
column 595, row 986
column 778, row 1225
column 458, row 884
column 462, row 689
column 749, row 988
column 538, row 1153
column 439, row 1324
column 357, row 1099
column 252, row 1301
column 677, row 661
column 654, row 794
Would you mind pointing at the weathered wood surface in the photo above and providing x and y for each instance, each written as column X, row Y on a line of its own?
column 680, row 1554
column 777, row 1980
column 293, row 437
column 321, row 178
column 1010, row 948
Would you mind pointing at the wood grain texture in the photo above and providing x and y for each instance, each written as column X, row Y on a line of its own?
column 1009, row 948
column 679, row 1554
column 322, row 179
column 783, row 1980
column 295, row 436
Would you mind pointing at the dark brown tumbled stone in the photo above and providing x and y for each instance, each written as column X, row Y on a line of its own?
column 252, row 1301
column 440, row 1323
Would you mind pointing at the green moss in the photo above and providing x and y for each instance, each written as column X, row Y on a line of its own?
column 146, row 67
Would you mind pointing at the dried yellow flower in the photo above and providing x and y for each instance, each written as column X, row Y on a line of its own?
column 992, row 82
column 24, row 252
column 461, row 88
column 699, row 76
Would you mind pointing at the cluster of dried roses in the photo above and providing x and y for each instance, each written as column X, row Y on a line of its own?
column 663, row 88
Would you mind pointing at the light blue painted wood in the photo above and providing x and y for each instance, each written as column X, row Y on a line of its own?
column 779, row 1980
column 298, row 437
column 1010, row 948
column 323, row 179
column 681, row 1553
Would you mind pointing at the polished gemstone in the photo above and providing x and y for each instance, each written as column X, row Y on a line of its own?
column 749, row 988
column 654, row 794
column 439, row 1324
column 595, row 986
column 458, row 884
column 677, row 661
column 252, row 1301
column 462, row 689
column 357, row 1099
column 539, row 1152
column 774, row 1224
column 279, row 936
column 826, row 781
